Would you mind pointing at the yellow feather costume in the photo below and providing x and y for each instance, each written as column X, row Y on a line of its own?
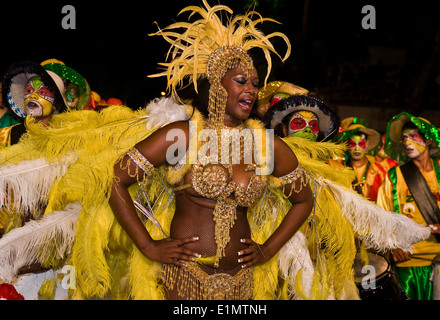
column 109, row 266
column 315, row 264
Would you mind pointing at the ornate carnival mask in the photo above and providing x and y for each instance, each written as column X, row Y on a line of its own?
column 358, row 146
column 304, row 124
column 38, row 99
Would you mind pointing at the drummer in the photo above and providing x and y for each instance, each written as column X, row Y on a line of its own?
column 412, row 189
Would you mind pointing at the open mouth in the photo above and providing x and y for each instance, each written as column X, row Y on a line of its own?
column 246, row 104
column 32, row 105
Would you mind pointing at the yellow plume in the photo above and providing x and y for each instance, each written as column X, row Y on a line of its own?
column 191, row 49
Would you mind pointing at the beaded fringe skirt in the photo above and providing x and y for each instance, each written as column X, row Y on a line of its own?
column 193, row 283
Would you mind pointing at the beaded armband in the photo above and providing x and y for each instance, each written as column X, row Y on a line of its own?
column 291, row 178
column 140, row 161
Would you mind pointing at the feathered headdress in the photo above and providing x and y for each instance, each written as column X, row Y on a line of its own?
column 209, row 48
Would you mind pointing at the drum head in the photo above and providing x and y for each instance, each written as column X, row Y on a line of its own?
column 379, row 263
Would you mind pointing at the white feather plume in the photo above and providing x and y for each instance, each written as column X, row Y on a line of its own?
column 29, row 182
column 164, row 110
column 38, row 240
column 295, row 256
column 378, row 229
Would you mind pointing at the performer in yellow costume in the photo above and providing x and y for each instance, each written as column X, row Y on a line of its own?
column 29, row 89
column 259, row 223
column 360, row 140
column 412, row 189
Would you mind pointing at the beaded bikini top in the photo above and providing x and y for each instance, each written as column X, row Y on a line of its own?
column 214, row 181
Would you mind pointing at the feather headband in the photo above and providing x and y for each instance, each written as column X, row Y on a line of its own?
column 209, row 48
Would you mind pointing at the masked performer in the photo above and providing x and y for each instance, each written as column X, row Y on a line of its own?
column 361, row 140
column 302, row 116
column 412, row 189
column 29, row 90
column 243, row 223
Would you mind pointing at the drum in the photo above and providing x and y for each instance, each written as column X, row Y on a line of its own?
column 376, row 280
column 436, row 277
column 29, row 284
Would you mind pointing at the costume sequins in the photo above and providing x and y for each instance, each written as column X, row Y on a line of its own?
column 192, row 283
column 293, row 177
column 140, row 161
column 214, row 181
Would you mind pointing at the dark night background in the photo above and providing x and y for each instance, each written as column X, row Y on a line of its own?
column 373, row 74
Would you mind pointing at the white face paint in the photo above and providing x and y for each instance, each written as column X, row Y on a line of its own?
column 304, row 124
column 414, row 143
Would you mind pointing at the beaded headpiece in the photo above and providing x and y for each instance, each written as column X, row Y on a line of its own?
column 208, row 48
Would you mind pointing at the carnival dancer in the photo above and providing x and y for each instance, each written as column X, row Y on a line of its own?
column 96, row 165
column 361, row 140
column 412, row 189
column 210, row 219
column 29, row 90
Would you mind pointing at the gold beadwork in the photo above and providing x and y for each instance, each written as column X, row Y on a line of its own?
column 140, row 161
column 192, row 283
column 292, row 177
column 214, row 181
column 208, row 47
column 220, row 61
